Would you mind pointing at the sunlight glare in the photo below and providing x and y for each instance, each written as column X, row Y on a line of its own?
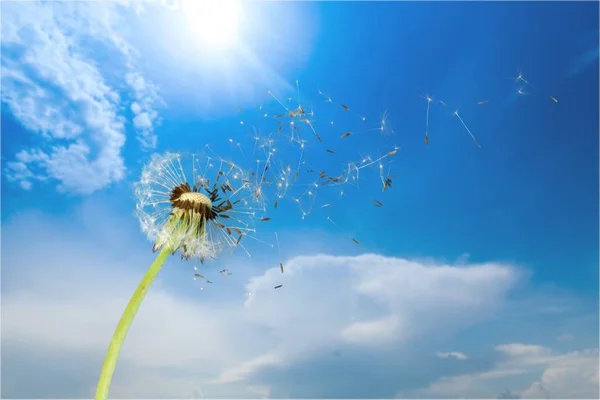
column 213, row 23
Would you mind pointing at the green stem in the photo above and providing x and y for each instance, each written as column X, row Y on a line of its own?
column 118, row 338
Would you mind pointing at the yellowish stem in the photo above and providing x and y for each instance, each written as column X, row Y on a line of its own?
column 118, row 338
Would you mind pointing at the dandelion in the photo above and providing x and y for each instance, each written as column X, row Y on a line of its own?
column 198, row 214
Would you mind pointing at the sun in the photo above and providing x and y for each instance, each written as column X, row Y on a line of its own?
column 213, row 23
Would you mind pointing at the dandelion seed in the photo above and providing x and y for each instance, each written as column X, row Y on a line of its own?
column 467, row 128
column 265, row 219
column 345, row 135
column 355, row 241
column 277, row 287
column 482, row 102
column 281, row 267
column 330, row 151
column 553, row 99
column 386, row 184
column 429, row 100
column 345, row 107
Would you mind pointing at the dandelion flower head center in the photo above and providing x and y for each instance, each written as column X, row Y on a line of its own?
column 196, row 198
column 186, row 199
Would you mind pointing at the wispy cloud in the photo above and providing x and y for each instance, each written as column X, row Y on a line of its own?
column 146, row 117
column 452, row 354
column 565, row 337
column 62, row 67
column 571, row 375
column 587, row 57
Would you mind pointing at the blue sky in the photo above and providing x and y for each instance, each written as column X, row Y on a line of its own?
column 478, row 275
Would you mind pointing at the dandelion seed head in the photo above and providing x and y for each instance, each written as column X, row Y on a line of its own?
column 196, row 205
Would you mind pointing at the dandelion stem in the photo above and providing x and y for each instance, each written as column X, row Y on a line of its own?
column 123, row 327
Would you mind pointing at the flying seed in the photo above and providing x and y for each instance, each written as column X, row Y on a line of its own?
column 554, row 99
column 355, row 241
column 277, row 287
column 426, row 140
column 325, row 205
column 281, row 267
column 265, row 219
column 346, row 135
column 391, row 153
column 275, row 205
column 207, row 281
column 387, row 183
column 196, row 275
column 378, row 203
column 330, row 151
column 345, row 107
column 482, row 102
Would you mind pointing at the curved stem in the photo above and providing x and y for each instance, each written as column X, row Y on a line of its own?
column 110, row 362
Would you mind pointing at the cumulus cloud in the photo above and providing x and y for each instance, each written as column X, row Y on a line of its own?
column 56, row 85
column 237, row 337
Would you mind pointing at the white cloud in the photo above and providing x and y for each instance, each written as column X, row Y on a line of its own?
column 57, row 87
column 375, row 331
column 452, row 354
column 216, row 346
column 366, row 301
column 565, row 337
column 146, row 118
column 219, row 343
column 571, row 375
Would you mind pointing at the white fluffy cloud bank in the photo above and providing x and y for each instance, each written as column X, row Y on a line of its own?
column 67, row 75
column 363, row 318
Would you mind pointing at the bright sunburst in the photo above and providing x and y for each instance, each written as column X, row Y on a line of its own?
column 213, row 23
